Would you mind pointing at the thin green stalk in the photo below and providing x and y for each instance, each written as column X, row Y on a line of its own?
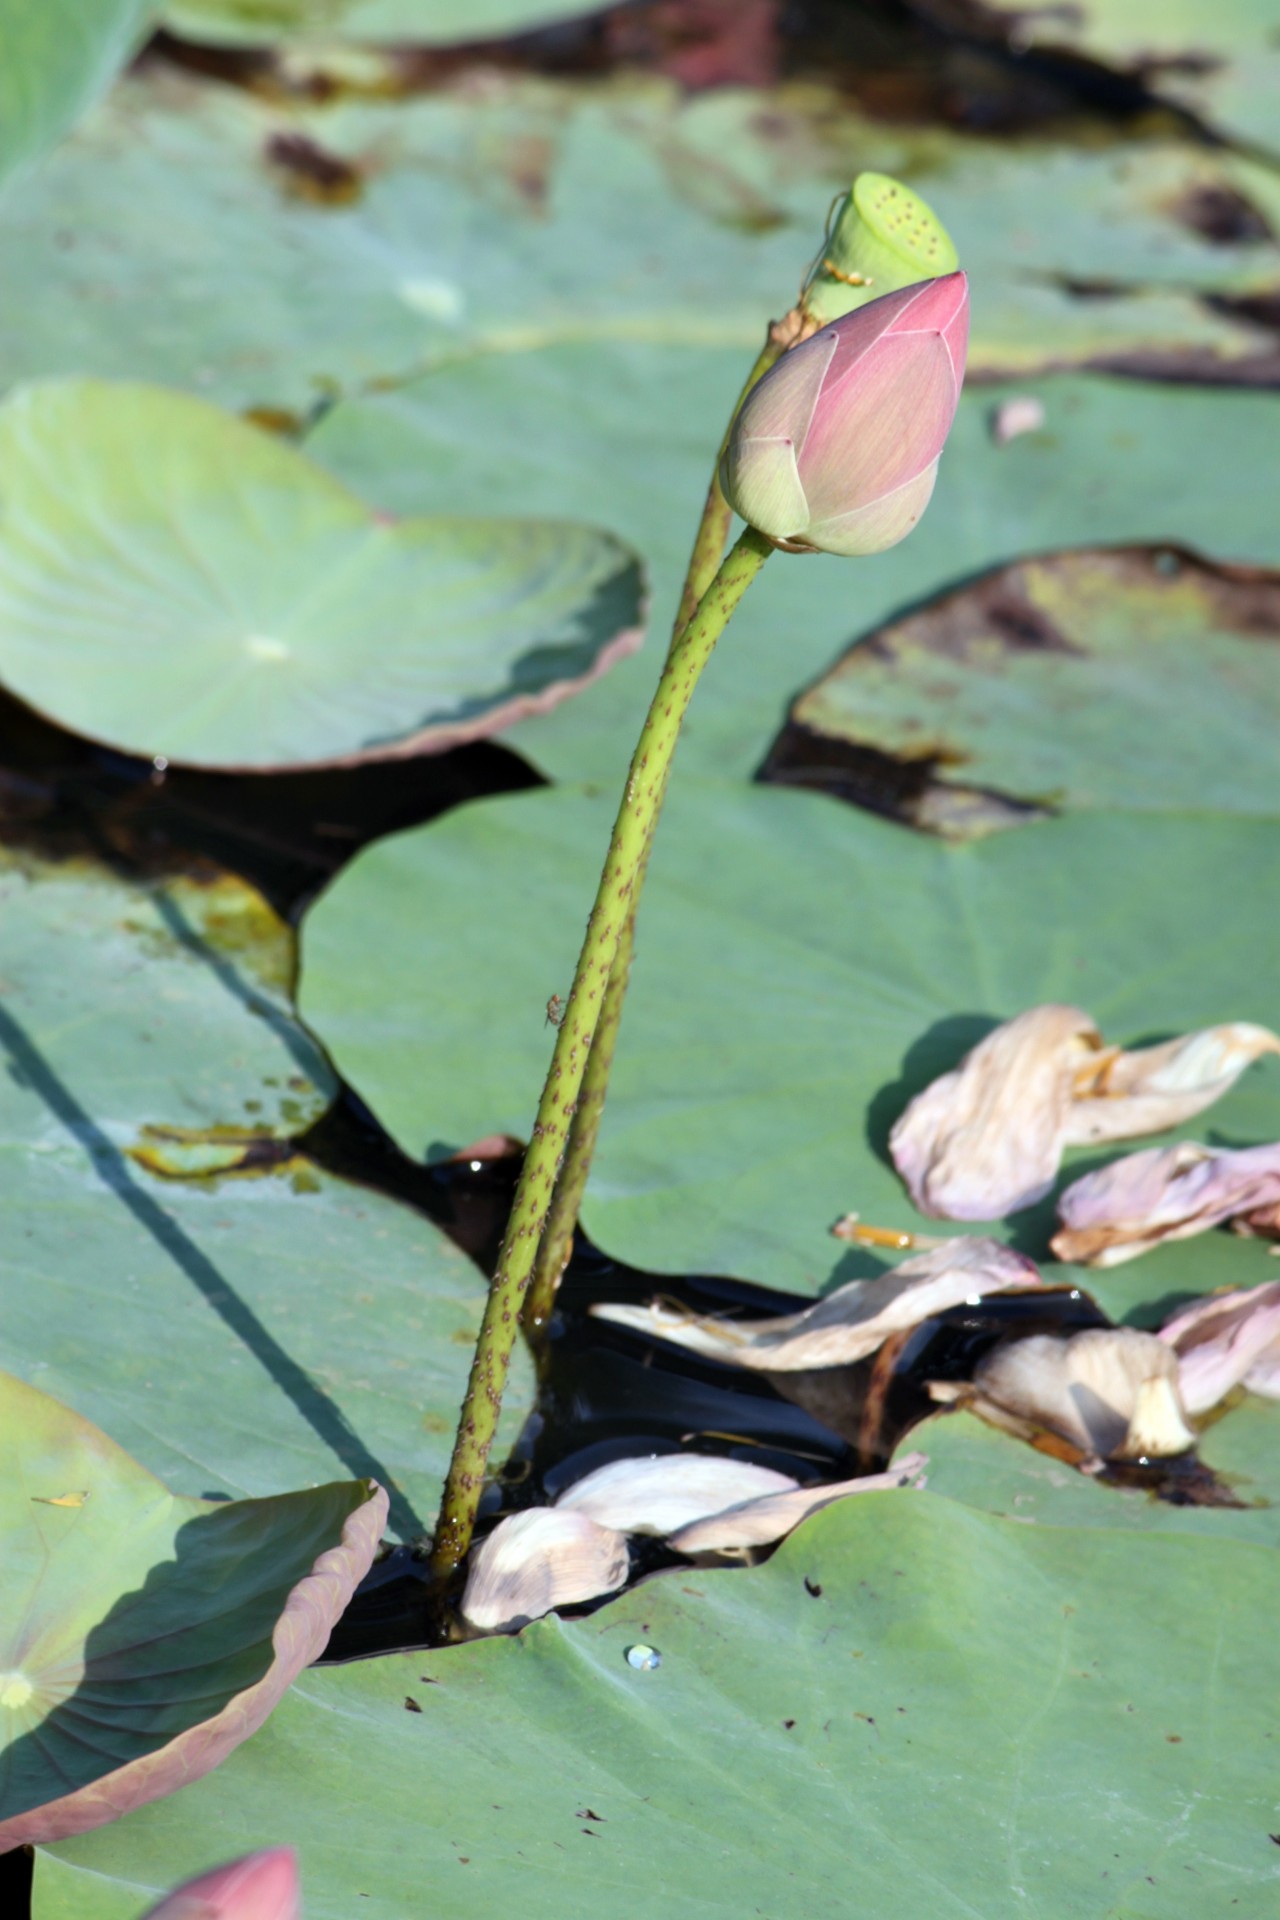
column 566, row 1202
column 641, row 801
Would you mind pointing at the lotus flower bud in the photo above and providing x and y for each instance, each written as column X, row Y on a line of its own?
column 261, row 1886
column 883, row 237
column 837, row 448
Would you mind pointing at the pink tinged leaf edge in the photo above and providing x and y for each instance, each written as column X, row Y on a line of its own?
column 260, row 1886
column 299, row 1635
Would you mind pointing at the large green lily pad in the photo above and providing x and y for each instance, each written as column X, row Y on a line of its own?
column 235, row 1334
column 163, row 1001
column 184, row 586
column 241, row 23
column 803, row 969
column 984, row 1468
column 1127, row 677
column 59, row 55
column 1114, row 461
column 146, row 1636
column 944, row 1711
column 185, row 231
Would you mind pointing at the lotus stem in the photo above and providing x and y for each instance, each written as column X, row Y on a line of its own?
column 566, row 1202
column 615, row 901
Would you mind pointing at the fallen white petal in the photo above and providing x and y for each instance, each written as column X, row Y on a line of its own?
column 756, row 1523
column 1156, row 1088
column 1106, row 1390
column 537, row 1560
column 1163, row 1193
column 851, row 1322
column 662, row 1492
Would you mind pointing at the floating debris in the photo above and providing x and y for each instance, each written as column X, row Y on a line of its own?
column 987, row 1139
column 1111, row 1392
column 540, row 1559
column 758, row 1523
column 1227, row 1340
column 1021, row 413
column 851, row 1322
column 662, row 1492
column 1168, row 1193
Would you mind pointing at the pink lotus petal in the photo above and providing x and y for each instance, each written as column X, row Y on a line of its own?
column 1164, row 1193
column 261, row 1886
column 1225, row 1340
column 863, row 408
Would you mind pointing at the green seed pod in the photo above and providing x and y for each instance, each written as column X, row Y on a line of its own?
column 882, row 237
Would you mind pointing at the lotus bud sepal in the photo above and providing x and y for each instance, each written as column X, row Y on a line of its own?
column 837, row 448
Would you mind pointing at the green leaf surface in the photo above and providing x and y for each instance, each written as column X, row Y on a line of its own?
column 250, row 23
column 164, row 1001
column 180, row 584
column 1114, row 461
column 914, row 1706
column 146, row 1636
column 186, row 232
column 234, row 1334
column 1122, row 678
column 802, row 970
column 995, row 1473
column 56, row 57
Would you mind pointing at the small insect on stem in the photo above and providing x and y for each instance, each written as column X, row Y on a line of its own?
column 850, row 279
column 555, row 1010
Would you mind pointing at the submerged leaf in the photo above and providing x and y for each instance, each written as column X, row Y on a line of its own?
column 540, row 1559
column 851, row 1322
column 987, row 1139
column 1168, row 1193
column 1112, row 1392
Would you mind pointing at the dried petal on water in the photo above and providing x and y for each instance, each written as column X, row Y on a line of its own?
column 1227, row 1340
column 851, row 1322
column 1167, row 1193
column 661, row 1492
column 757, row 1523
column 540, row 1559
column 987, row 1139
column 1112, row 1392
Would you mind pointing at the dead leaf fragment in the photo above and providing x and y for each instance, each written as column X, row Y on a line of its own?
column 1227, row 1340
column 662, row 1492
column 987, row 1139
column 1111, row 1392
column 851, row 1322
column 758, row 1523
column 1168, row 1193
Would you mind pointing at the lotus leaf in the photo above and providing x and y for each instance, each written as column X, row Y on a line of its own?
column 182, row 585
column 59, row 55
column 1138, row 677
column 146, row 1636
column 960, row 1713
column 803, row 969
column 1114, row 461
column 233, row 1333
